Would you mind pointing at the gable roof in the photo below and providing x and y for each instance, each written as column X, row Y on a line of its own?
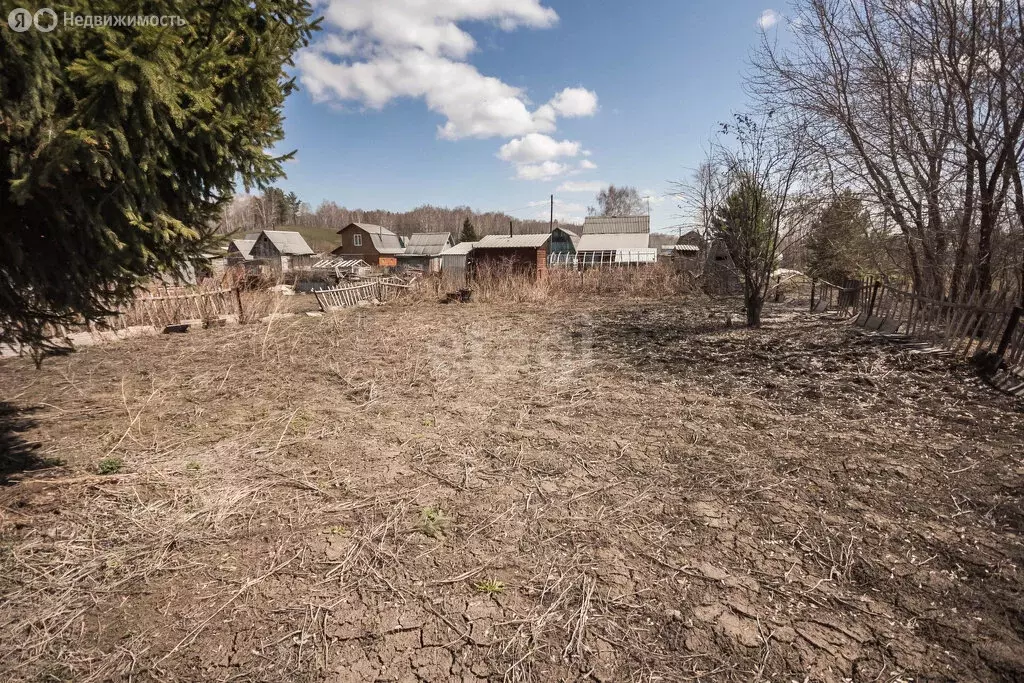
column 384, row 241
column 427, row 243
column 242, row 247
column 613, row 241
column 603, row 225
column 527, row 241
column 288, row 243
column 460, row 249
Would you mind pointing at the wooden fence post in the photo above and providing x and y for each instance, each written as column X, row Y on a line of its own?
column 238, row 300
column 814, row 281
column 874, row 293
column 1011, row 327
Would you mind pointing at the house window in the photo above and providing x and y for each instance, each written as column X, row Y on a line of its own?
column 357, row 240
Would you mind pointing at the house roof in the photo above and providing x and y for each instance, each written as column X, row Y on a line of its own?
column 288, row 243
column 613, row 241
column 685, row 248
column 689, row 236
column 460, row 249
column 243, row 247
column 527, row 241
column 427, row 243
column 595, row 225
column 384, row 241
column 567, row 231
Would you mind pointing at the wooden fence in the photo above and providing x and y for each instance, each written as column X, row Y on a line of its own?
column 344, row 296
column 987, row 328
column 161, row 310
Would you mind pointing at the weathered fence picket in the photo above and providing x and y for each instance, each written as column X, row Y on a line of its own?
column 987, row 325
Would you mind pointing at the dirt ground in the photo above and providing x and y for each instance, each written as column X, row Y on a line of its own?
column 624, row 491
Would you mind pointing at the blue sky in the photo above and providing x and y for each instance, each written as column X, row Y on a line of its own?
column 496, row 104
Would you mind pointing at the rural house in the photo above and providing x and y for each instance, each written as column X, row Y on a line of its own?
column 374, row 244
column 281, row 250
column 423, row 250
column 239, row 251
column 521, row 254
column 615, row 239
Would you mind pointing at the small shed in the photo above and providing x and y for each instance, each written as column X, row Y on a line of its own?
column 282, row 250
column 240, row 251
column 512, row 254
column 423, row 250
column 455, row 261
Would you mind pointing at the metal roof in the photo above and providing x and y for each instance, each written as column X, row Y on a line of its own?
column 595, row 225
column 288, row 243
column 613, row 241
column 527, row 241
column 427, row 243
column 384, row 241
column 460, row 249
column 243, row 247
column 688, row 248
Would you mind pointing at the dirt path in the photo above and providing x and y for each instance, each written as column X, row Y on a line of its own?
column 626, row 492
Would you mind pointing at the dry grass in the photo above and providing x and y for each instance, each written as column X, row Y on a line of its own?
column 505, row 285
column 659, row 498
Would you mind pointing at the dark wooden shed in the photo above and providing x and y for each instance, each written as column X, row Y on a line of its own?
column 513, row 254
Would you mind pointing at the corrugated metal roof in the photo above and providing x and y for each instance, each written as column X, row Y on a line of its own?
column 687, row 248
column 243, row 247
column 288, row 243
column 427, row 243
column 613, row 241
column 384, row 241
column 602, row 225
column 528, row 241
column 459, row 249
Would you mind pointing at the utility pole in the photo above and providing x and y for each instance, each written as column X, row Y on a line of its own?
column 551, row 221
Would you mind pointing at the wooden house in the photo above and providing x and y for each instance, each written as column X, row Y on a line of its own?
column 423, row 251
column 512, row 254
column 374, row 244
column 281, row 250
column 239, row 252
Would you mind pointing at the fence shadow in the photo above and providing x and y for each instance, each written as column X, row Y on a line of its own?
column 17, row 455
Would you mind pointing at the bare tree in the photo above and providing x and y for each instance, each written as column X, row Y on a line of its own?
column 618, row 201
column 919, row 106
column 741, row 196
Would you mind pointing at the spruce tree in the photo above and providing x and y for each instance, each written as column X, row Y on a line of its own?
column 468, row 231
column 120, row 144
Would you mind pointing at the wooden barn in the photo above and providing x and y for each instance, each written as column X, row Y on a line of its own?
column 281, row 250
column 374, row 244
column 514, row 254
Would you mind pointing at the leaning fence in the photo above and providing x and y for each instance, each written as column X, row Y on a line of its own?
column 986, row 327
column 333, row 298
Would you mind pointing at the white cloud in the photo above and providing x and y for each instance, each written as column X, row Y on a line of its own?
column 768, row 18
column 571, row 212
column 582, row 186
column 545, row 170
column 587, row 165
column 380, row 51
column 535, row 147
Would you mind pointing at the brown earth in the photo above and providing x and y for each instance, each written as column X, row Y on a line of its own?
column 624, row 491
